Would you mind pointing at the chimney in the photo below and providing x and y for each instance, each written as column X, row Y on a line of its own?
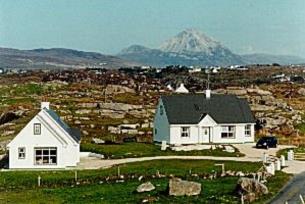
column 45, row 105
column 208, row 94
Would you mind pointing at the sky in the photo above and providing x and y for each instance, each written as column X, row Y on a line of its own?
column 107, row 26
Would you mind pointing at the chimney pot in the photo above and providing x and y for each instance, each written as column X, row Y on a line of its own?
column 45, row 105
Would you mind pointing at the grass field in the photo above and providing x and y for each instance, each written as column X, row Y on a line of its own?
column 115, row 151
column 93, row 186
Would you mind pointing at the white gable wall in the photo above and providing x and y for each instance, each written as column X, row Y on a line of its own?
column 161, row 125
column 67, row 150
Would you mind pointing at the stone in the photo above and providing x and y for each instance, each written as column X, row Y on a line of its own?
column 301, row 91
column 98, row 140
column 229, row 149
column 178, row 187
column 240, row 174
column 145, row 187
column 250, row 189
column 163, row 145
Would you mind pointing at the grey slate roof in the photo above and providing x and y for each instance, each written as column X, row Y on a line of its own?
column 73, row 132
column 191, row 108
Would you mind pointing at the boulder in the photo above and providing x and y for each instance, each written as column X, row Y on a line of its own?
column 251, row 189
column 145, row 187
column 178, row 187
column 301, row 91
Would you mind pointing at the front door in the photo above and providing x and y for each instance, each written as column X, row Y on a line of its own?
column 205, row 135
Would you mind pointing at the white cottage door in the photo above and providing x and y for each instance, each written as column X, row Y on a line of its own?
column 205, row 135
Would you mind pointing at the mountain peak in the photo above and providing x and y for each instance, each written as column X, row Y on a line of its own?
column 190, row 40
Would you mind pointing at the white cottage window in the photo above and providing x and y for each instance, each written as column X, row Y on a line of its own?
column 248, row 130
column 37, row 129
column 45, row 155
column 228, row 131
column 21, row 153
column 185, row 131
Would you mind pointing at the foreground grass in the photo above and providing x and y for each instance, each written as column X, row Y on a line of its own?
column 214, row 191
column 28, row 179
column 93, row 186
column 147, row 150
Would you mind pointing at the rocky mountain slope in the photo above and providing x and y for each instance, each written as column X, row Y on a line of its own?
column 58, row 58
column 192, row 47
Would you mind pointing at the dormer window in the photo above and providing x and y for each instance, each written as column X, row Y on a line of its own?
column 37, row 129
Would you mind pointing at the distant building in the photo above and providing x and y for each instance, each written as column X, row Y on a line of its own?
column 194, row 70
column 182, row 89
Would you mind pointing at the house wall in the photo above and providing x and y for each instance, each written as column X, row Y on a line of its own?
column 215, row 131
column 67, row 150
column 161, row 124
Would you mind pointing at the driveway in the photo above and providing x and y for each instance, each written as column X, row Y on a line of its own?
column 251, row 152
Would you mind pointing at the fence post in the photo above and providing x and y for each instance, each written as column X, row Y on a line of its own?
column 75, row 176
column 119, row 173
column 39, row 181
column 222, row 167
column 301, row 198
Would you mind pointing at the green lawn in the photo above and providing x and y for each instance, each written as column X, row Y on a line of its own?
column 146, row 150
column 296, row 150
column 60, row 187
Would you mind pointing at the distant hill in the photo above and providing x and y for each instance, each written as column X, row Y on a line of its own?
column 58, row 58
column 192, row 47
column 269, row 59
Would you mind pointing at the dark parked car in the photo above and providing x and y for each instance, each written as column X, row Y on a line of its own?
column 266, row 142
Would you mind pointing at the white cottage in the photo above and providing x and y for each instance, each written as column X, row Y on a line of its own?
column 45, row 142
column 203, row 118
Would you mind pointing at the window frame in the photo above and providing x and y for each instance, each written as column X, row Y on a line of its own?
column 45, row 158
column 185, row 133
column 23, row 153
column 228, row 132
column 34, row 128
column 248, row 130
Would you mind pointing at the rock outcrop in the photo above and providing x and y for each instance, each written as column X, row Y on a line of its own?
column 250, row 189
column 178, row 187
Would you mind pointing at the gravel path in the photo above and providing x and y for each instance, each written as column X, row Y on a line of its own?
column 95, row 163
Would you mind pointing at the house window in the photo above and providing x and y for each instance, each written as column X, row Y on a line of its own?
column 45, row 156
column 161, row 110
column 185, row 131
column 21, row 153
column 248, row 130
column 228, row 132
column 156, row 131
column 37, row 129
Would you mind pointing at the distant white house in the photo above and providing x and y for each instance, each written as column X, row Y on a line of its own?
column 45, row 142
column 182, row 89
column 203, row 118
column 169, row 87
